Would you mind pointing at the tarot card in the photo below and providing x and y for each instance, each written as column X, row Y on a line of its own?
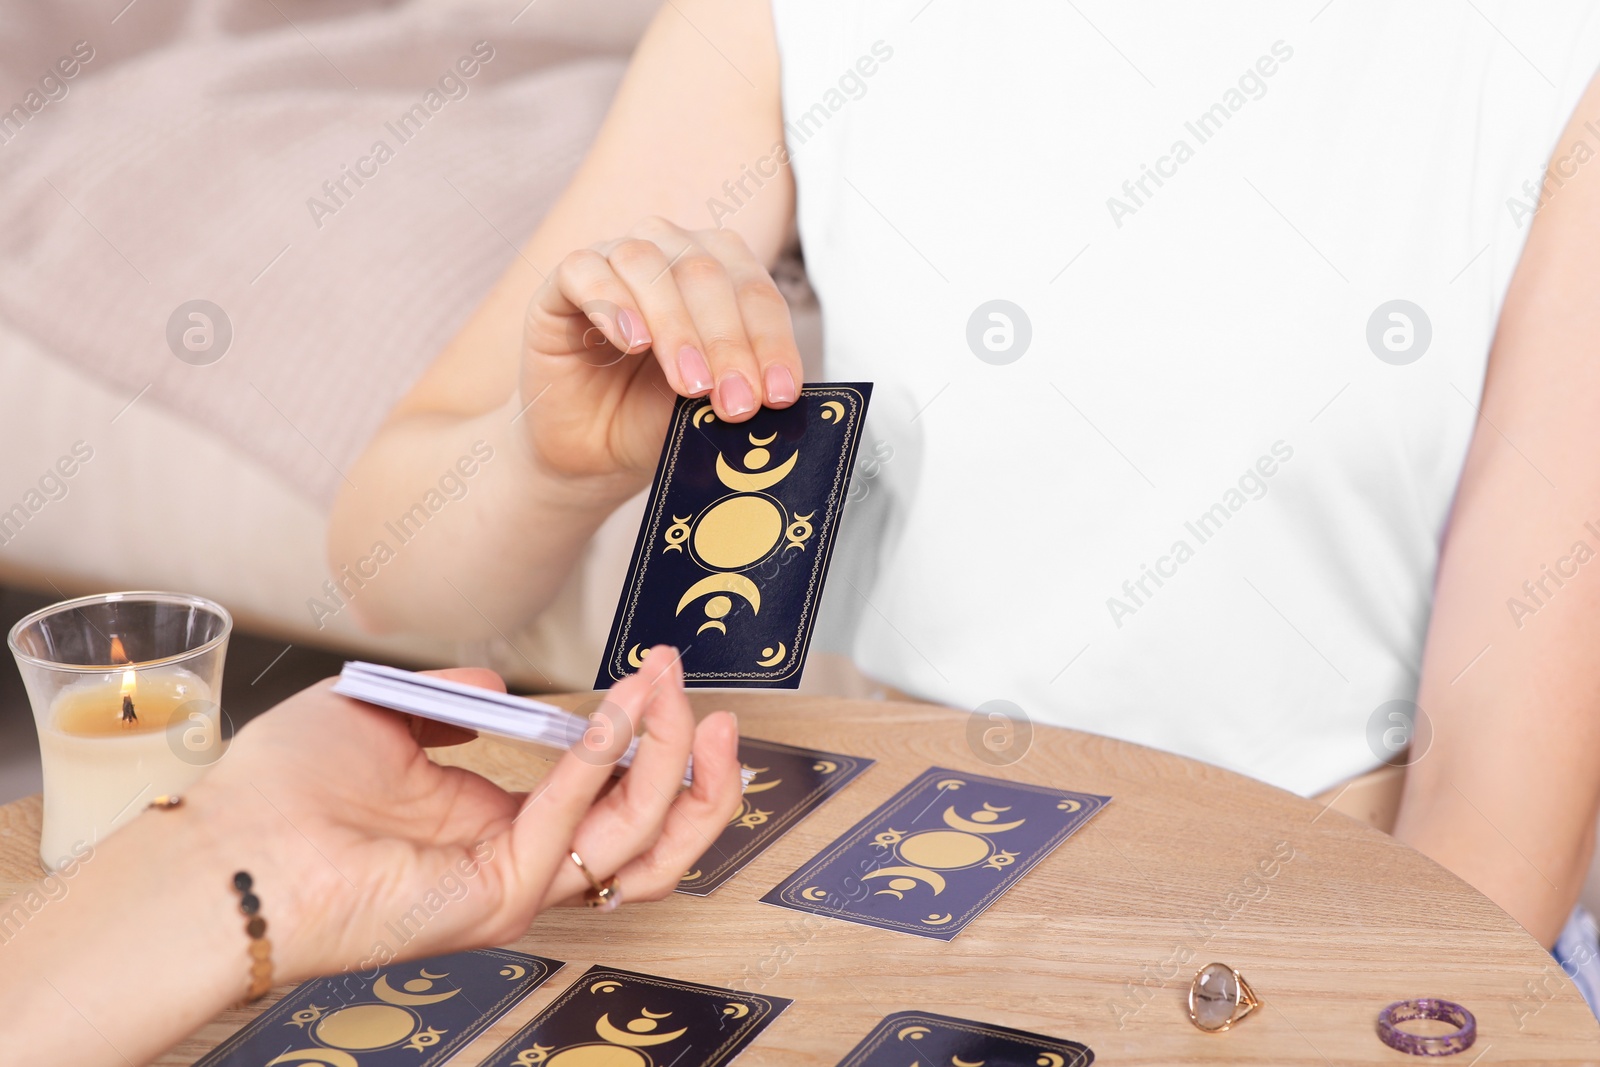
column 623, row 1019
column 415, row 1014
column 932, row 857
column 788, row 784
column 736, row 538
column 942, row 1041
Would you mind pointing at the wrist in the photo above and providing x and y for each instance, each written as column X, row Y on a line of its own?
column 582, row 498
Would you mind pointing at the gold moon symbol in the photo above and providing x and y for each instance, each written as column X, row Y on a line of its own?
column 773, row 657
column 956, row 822
column 741, row 482
column 761, row 787
column 389, row 995
column 366, row 1026
column 712, row 624
column 737, row 530
column 606, row 985
column 944, row 850
column 705, row 414
column 513, row 971
column 938, row 920
column 832, row 411
column 693, row 876
column 611, row 1033
column 636, row 655
column 912, row 1033
column 326, row 1057
column 951, row 783
column 722, row 583
column 957, row 1061
column 814, row 893
column 1051, row 1059
column 825, row 766
column 597, row 1055
column 756, row 458
column 1069, row 806
column 737, row 1010
column 767, row 440
column 933, row 879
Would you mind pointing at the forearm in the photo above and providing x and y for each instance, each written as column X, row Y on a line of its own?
column 137, row 946
column 496, row 550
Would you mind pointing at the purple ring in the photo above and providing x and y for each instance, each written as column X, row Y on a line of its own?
column 1445, row 1011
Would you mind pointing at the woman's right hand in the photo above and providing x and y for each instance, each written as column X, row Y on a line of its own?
column 621, row 329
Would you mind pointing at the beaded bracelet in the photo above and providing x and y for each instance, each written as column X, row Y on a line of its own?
column 255, row 927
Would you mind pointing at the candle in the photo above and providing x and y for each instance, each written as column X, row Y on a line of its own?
column 111, row 744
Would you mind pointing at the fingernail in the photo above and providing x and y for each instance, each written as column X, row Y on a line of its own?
column 693, row 370
column 633, row 329
column 780, row 384
column 735, row 394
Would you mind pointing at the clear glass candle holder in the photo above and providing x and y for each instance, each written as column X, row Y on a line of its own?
column 126, row 691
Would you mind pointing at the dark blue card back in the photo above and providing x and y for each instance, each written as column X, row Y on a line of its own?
column 734, row 546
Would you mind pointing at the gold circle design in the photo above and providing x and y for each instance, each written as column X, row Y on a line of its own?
column 737, row 531
column 757, row 458
column 718, row 606
column 366, row 1026
column 944, row 850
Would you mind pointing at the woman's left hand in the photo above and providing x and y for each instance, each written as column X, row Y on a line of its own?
column 369, row 841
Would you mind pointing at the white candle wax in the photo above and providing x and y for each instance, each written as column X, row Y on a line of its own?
column 101, row 768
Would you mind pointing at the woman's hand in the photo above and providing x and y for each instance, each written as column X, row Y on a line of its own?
column 368, row 836
column 619, row 330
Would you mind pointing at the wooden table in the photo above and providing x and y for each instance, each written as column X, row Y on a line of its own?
column 1085, row 947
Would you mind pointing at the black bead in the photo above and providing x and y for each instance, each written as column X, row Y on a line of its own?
column 242, row 881
column 249, row 904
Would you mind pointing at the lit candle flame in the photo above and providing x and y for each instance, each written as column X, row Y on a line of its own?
column 130, row 682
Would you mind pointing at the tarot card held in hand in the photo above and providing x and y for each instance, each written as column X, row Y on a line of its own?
column 923, row 1037
column 734, row 546
column 932, row 857
column 415, row 1014
column 612, row 1018
column 788, row 784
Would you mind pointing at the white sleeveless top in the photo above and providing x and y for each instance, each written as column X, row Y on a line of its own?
column 1202, row 509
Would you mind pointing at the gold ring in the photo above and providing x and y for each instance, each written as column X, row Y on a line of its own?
column 1219, row 997
column 604, row 895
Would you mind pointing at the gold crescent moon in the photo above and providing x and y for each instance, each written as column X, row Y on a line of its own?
column 648, row 1014
column 933, row 879
column 912, row 1033
column 693, row 875
column 954, row 821
column 705, row 414
column 773, row 660
column 390, row 995
column 424, row 974
column 959, row 1062
column 1051, row 1059
column 636, row 655
column 611, row 1034
column 1069, row 806
column 832, row 411
column 513, row 971
column 762, row 787
column 734, row 1008
column 951, row 783
column 938, row 920
column 605, row 985
column 722, row 583
column 763, row 441
column 741, row 482
column 825, row 766
column 814, row 893
column 329, row 1057
column 711, row 624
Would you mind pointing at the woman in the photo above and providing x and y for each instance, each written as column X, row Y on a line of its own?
column 1181, row 326
column 344, row 826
